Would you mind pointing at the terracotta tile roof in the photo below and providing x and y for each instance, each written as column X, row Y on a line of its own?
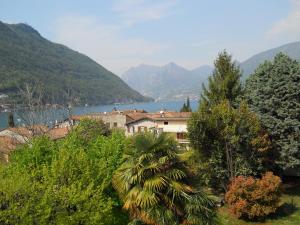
column 114, row 112
column 27, row 131
column 58, row 133
column 166, row 115
column 8, row 144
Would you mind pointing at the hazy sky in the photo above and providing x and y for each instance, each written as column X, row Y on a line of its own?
column 123, row 33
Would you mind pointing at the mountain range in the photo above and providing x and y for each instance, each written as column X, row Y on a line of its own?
column 172, row 82
column 28, row 58
column 166, row 82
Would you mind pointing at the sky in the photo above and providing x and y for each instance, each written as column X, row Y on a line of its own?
column 120, row 34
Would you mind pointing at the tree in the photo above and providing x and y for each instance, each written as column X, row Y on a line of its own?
column 11, row 122
column 231, row 142
column 63, row 182
column 156, row 185
column 273, row 92
column 34, row 109
column 224, row 83
column 186, row 106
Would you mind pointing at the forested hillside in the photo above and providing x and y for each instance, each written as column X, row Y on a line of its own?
column 64, row 74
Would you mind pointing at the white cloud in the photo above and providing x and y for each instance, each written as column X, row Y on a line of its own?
column 137, row 11
column 288, row 28
column 104, row 43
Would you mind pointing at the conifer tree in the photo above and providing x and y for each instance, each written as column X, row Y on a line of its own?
column 224, row 83
column 11, row 122
column 186, row 106
column 227, row 134
column 273, row 92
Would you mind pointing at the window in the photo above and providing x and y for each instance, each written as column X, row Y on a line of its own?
column 181, row 135
column 115, row 124
column 142, row 129
column 107, row 125
column 166, row 123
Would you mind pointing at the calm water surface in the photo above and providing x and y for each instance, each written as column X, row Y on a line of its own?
column 149, row 106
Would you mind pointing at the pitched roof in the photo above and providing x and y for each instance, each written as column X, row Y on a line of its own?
column 98, row 115
column 58, row 133
column 163, row 115
column 8, row 144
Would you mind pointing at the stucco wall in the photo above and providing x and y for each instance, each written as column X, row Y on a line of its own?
column 173, row 126
column 133, row 127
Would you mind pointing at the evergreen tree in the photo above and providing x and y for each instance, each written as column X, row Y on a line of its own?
column 11, row 122
column 227, row 135
column 273, row 92
column 186, row 106
column 224, row 83
column 183, row 109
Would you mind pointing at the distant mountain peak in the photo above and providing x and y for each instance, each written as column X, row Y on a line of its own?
column 167, row 82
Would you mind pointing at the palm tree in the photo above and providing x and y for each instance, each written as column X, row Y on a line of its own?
column 156, row 185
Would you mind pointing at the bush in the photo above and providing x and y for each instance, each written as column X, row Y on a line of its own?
column 252, row 198
column 65, row 182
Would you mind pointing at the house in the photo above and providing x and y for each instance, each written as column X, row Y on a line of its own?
column 174, row 123
column 114, row 119
column 135, row 121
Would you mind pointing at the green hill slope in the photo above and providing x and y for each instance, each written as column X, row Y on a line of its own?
column 27, row 57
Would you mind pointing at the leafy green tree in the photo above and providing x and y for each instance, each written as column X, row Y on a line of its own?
column 273, row 92
column 231, row 142
column 186, row 106
column 88, row 130
column 64, row 182
column 156, row 185
column 224, row 83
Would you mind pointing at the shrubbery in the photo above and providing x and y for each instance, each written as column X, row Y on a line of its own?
column 252, row 198
column 64, row 182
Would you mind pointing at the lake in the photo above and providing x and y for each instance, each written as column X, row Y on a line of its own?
column 148, row 106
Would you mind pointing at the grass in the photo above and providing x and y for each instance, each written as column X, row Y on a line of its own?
column 287, row 214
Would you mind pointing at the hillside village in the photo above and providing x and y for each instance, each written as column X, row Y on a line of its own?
column 129, row 121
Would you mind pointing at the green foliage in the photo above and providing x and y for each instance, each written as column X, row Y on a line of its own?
column 65, row 182
column 273, row 92
column 224, row 82
column 26, row 57
column 89, row 130
column 231, row 142
column 253, row 198
column 156, row 185
column 186, row 106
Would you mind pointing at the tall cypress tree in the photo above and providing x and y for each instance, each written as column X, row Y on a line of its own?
column 11, row 122
column 224, row 83
column 186, row 106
